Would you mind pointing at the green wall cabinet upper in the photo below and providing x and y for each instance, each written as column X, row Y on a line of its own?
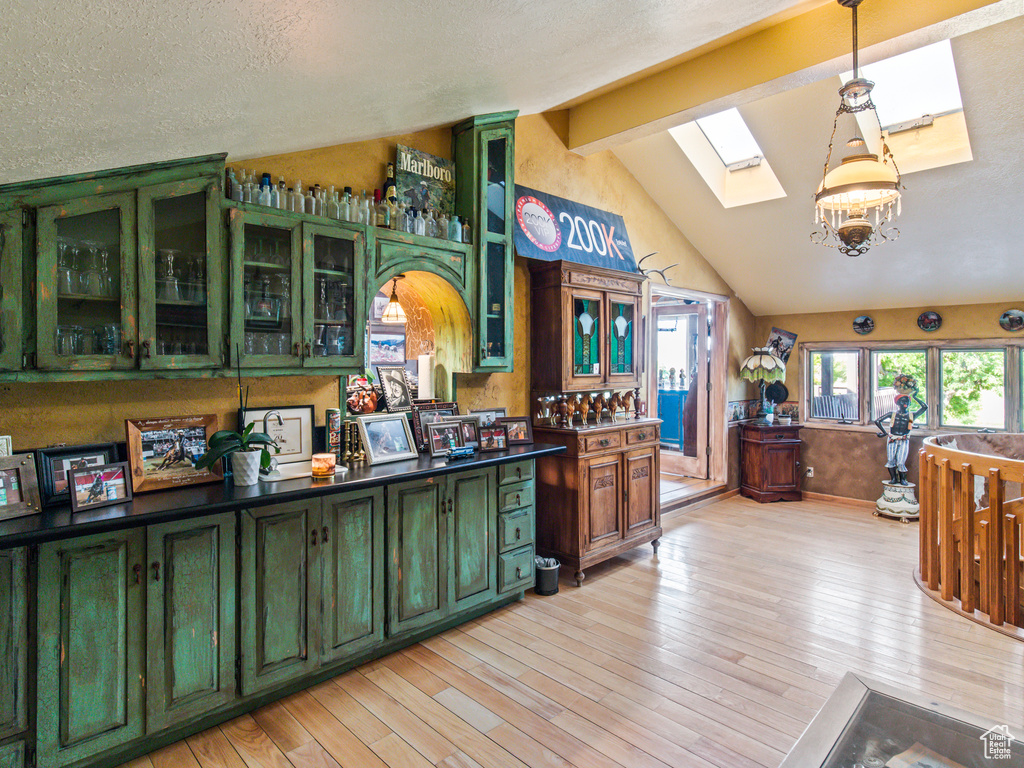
column 11, row 295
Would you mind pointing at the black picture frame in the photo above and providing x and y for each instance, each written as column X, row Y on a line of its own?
column 451, row 430
column 394, row 383
column 470, row 429
column 493, row 438
column 489, row 416
column 518, row 421
column 69, row 455
column 449, row 409
column 97, row 476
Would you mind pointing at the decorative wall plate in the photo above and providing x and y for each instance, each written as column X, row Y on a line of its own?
column 929, row 321
column 863, row 324
column 1012, row 320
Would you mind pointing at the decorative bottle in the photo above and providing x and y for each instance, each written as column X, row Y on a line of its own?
column 455, row 229
column 346, row 204
column 442, row 226
column 467, row 232
column 429, row 224
column 390, row 190
column 382, row 216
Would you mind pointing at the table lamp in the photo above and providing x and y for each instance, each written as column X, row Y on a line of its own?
column 763, row 366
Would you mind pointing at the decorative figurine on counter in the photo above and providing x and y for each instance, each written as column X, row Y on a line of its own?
column 572, row 403
column 898, row 500
column 597, row 406
column 584, row 408
column 614, row 404
column 627, row 403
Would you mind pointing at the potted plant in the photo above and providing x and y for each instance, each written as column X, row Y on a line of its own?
column 247, row 450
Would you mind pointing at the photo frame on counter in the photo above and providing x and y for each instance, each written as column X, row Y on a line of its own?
column 493, row 438
column 294, row 435
column 442, row 436
column 54, row 466
column 394, row 383
column 386, row 437
column 19, row 486
column 162, row 452
column 6, row 447
column 519, row 429
column 100, row 486
column 489, row 416
column 440, row 412
column 470, row 426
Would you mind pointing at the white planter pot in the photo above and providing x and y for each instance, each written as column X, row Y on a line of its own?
column 245, row 466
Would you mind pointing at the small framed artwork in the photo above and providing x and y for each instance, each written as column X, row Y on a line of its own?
column 56, row 465
column 470, row 426
column 781, row 343
column 430, row 413
column 387, row 344
column 162, row 453
column 1010, row 320
column 443, row 436
column 291, row 426
column 929, row 321
column 6, row 448
column 519, row 430
column 395, row 384
column 493, row 438
column 387, row 437
column 19, row 487
column 489, row 416
column 863, row 325
column 99, row 486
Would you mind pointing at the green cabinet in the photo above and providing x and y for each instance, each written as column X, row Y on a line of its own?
column 190, row 610
column 13, row 642
column 12, row 755
column 90, row 642
column 10, row 290
column 472, row 539
column 334, row 320
column 484, row 148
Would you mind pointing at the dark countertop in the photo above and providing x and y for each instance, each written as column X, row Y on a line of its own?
column 223, row 496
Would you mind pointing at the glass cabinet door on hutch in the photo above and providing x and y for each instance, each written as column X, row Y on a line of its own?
column 586, row 318
column 622, row 312
column 497, row 193
column 266, row 289
column 181, row 275
column 334, row 262
column 86, row 299
column 10, row 290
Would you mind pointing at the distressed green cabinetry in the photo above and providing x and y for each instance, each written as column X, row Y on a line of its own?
column 190, row 609
column 472, row 525
column 13, row 644
column 484, row 148
column 11, row 295
column 90, row 643
column 12, row 755
column 333, row 312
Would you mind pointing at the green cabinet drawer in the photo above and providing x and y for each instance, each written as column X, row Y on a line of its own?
column 515, row 473
column 515, row 497
column 515, row 569
column 515, row 529
column 12, row 755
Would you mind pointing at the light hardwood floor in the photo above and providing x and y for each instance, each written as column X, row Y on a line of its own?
column 717, row 652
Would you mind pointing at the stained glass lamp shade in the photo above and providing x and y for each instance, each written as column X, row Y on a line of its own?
column 764, row 367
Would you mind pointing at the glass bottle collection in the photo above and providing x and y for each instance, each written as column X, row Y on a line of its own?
column 380, row 210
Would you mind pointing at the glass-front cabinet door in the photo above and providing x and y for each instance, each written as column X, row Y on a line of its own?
column 181, row 276
column 334, row 262
column 86, row 298
column 622, row 327
column 586, row 318
column 496, row 279
column 266, row 290
column 10, row 290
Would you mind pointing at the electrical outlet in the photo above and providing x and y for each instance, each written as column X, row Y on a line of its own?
column 810, row 471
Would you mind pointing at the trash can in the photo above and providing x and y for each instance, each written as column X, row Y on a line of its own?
column 547, row 576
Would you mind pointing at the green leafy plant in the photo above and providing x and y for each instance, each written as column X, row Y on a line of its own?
column 227, row 441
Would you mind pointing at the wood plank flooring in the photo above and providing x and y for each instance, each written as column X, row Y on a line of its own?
column 717, row 652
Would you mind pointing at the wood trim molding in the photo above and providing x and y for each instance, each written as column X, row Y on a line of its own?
column 845, row 501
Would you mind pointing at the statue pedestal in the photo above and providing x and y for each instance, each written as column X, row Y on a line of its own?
column 898, row 502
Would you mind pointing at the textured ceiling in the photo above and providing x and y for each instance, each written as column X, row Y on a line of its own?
column 101, row 84
column 959, row 243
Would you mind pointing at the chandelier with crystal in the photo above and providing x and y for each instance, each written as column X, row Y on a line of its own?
column 857, row 201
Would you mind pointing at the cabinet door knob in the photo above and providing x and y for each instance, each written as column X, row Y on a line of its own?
column 145, row 348
column 309, row 349
column 519, row 572
column 156, row 570
column 325, row 535
column 298, row 349
column 131, row 348
column 450, row 505
column 137, row 570
column 518, row 500
column 312, row 537
column 604, row 441
column 519, row 534
column 519, row 472
column 642, row 435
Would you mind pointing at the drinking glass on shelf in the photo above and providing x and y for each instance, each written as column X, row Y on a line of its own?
column 319, row 341
column 65, row 341
column 108, row 277
column 87, row 341
column 285, row 293
column 108, row 339
column 197, row 278
column 333, row 338
column 323, row 310
column 168, row 285
column 250, row 343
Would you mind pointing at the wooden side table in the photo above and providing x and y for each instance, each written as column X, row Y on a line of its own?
column 770, row 457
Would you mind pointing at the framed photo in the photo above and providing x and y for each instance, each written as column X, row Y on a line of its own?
column 437, row 412
column 6, row 448
column 781, row 343
column 56, row 465
column 442, row 436
column 396, row 387
column 162, row 453
column 470, row 426
column 293, row 433
column 489, row 416
column 520, row 431
column 19, row 488
column 387, row 344
column 493, row 438
column 99, row 486
column 386, row 437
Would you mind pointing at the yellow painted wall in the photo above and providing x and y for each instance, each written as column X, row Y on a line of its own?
column 965, row 321
column 37, row 415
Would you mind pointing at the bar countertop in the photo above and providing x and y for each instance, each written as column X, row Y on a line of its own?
column 223, row 496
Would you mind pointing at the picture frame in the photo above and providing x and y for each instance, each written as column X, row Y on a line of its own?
column 442, row 436
column 54, row 466
column 489, row 416
column 19, row 486
column 394, row 383
column 447, row 410
column 100, row 486
column 294, row 436
column 6, row 446
column 386, row 437
column 150, row 442
column 470, row 426
column 519, row 430
column 781, row 343
column 493, row 438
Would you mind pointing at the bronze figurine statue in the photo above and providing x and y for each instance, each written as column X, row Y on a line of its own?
column 897, row 446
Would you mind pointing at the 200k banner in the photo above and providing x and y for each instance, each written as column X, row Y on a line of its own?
column 550, row 228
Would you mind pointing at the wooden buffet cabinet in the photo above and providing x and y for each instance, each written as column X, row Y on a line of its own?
column 771, row 462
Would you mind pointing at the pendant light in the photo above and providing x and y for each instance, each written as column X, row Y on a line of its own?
column 858, row 200
column 393, row 312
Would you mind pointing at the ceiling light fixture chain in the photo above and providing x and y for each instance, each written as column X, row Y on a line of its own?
column 862, row 184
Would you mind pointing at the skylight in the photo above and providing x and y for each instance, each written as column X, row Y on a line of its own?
column 729, row 136
column 913, row 84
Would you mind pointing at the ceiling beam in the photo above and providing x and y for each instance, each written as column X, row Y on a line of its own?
column 781, row 56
